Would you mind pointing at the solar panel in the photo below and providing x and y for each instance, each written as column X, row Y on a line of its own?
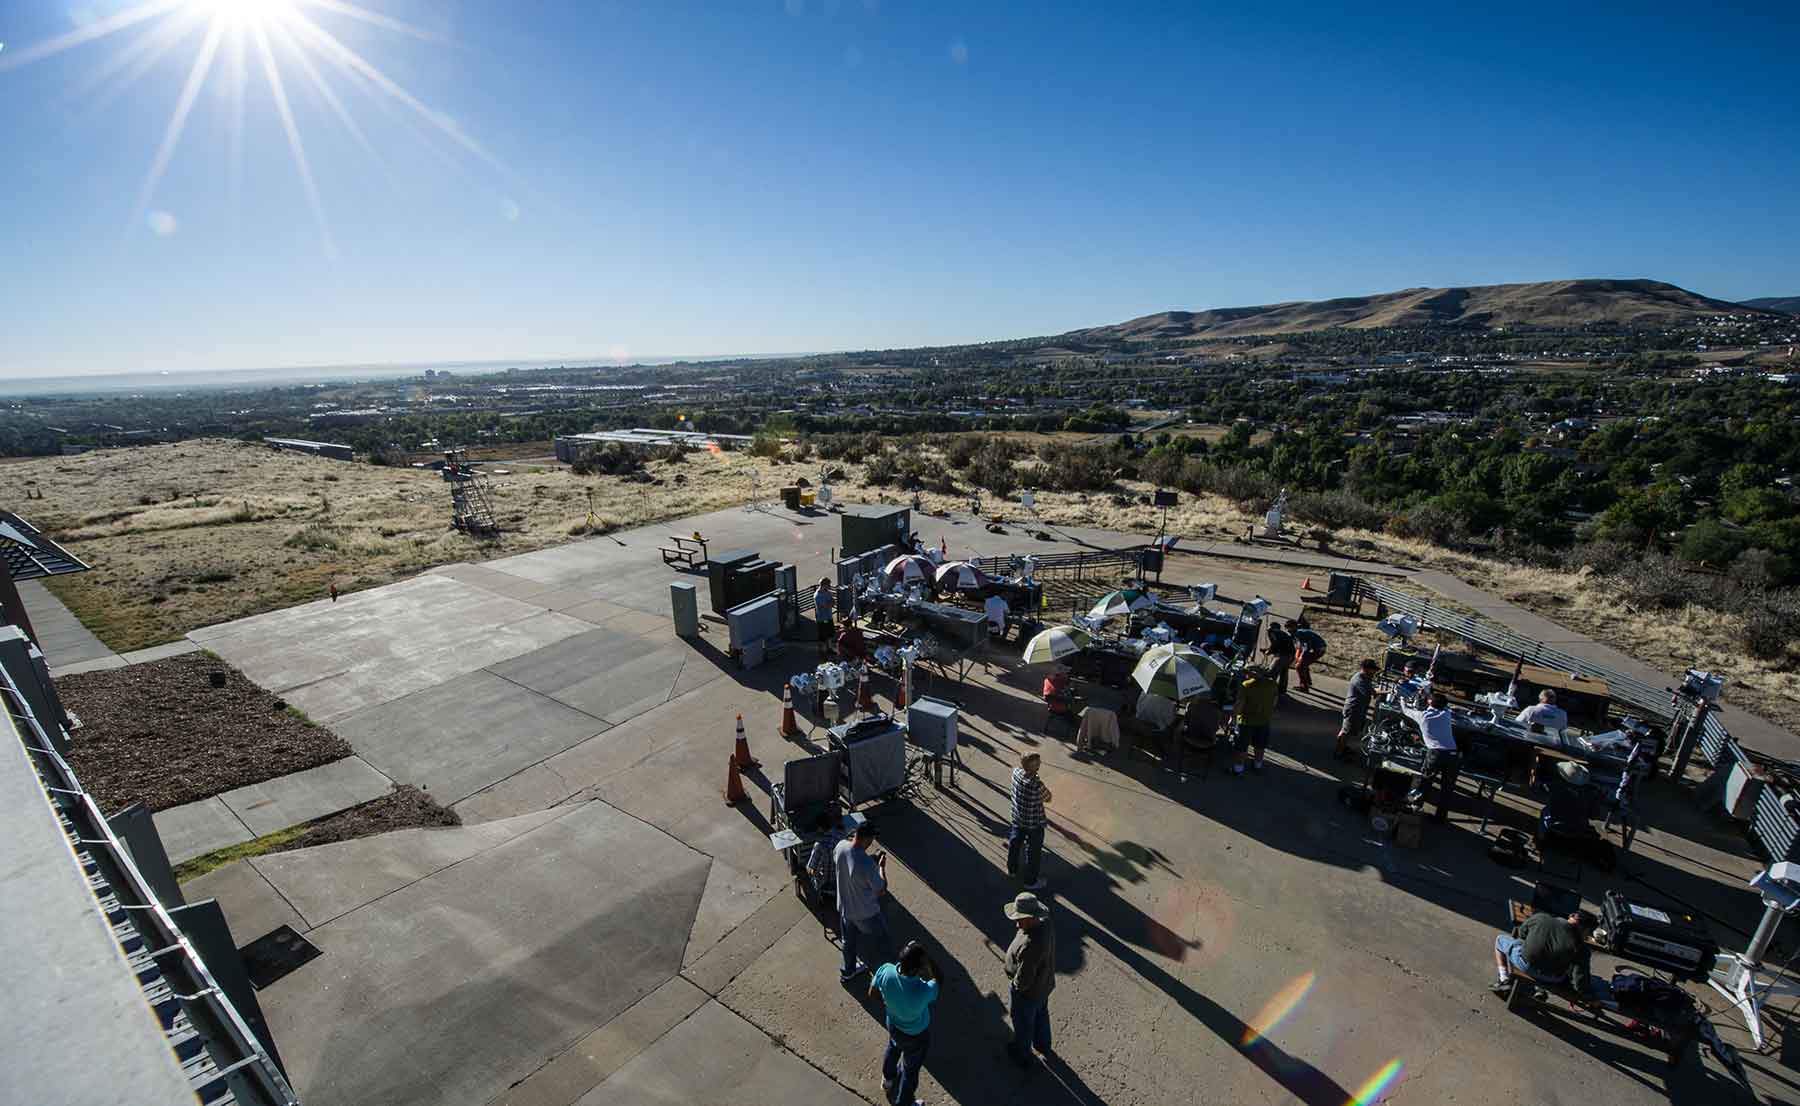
column 29, row 555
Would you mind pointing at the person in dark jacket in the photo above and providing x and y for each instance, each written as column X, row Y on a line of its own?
column 1356, row 710
column 1031, row 967
column 1544, row 948
column 1281, row 654
column 1309, row 646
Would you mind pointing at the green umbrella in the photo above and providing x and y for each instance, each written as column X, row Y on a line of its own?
column 1054, row 644
column 1176, row 672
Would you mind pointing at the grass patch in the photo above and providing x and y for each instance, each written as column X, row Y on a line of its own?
column 218, row 858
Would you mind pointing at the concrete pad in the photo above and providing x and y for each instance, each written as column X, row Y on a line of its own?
column 597, row 611
column 330, row 659
column 717, row 1056
column 731, row 896
column 607, row 1049
column 160, row 652
column 551, row 669
column 536, row 788
column 500, row 583
column 302, row 796
column 458, row 737
column 251, row 904
column 458, row 986
column 195, row 829
column 729, row 958
column 644, row 624
column 328, row 881
column 63, row 639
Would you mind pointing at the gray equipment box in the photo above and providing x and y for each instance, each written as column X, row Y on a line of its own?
column 866, row 528
column 684, row 601
column 874, row 758
column 931, row 724
column 757, row 620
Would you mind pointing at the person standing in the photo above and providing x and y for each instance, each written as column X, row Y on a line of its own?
column 1356, row 709
column 907, row 988
column 1025, row 845
column 1309, row 646
column 1442, row 759
column 1255, row 715
column 1031, row 968
column 824, row 607
column 1280, row 652
column 861, row 881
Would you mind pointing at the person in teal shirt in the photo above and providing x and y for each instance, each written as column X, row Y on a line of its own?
column 907, row 989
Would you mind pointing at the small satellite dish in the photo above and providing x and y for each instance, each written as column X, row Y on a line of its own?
column 1027, row 500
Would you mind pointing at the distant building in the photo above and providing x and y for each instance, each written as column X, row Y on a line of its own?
column 571, row 446
column 336, row 451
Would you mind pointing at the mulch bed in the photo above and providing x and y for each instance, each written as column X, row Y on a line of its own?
column 405, row 807
column 161, row 734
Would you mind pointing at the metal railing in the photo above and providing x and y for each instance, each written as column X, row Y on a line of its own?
column 242, row 1062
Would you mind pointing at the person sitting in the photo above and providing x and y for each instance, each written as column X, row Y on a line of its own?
column 1545, row 949
column 829, row 827
column 1544, row 715
column 1155, row 716
column 1059, row 696
column 852, row 646
column 997, row 609
column 1199, row 734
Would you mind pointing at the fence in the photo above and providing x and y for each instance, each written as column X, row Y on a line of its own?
column 1770, row 827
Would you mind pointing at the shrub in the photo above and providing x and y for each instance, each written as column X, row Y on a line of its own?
column 613, row 459
column 1770, row 630
column 1429, row 522
column 314, row 539
column 765, row 445
column 1658, row 581
column 1761, row 568
column 1338, row 510
column 994, row 473
column 1082, row 469
column 881, row 471
column 1710, row 542
column 961, row 450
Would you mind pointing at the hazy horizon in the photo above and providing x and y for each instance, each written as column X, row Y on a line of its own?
column 200, row 188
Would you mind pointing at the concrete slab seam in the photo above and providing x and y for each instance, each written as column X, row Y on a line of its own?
column 782, row 1045
column 250, row 862
column 436, row 871
column 679, row 1022
column 541, row 695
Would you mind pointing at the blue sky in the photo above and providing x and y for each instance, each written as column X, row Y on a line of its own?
column 676, row 178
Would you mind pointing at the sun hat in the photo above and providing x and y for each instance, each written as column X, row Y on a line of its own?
column 1027, row 905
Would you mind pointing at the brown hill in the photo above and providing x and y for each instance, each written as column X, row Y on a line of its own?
column 1555, row 303
column 1787, row 305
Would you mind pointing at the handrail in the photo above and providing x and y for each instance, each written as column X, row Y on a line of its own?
column 96, row 832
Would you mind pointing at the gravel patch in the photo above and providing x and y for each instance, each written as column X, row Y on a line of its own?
column 162, row 734
column 405, row 807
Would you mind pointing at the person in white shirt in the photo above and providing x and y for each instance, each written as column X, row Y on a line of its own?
column 1545, row 713
column 997, row 610
column 1443, row 761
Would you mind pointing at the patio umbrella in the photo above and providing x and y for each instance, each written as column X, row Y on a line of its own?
column 961, row 576
column 1176, row 672
column 1054, row 644
column 1115, row 603
column 907, row 568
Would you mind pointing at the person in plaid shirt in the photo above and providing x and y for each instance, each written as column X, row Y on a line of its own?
column 1026, row 842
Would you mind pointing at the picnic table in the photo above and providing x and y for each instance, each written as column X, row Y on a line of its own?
column 687, row 552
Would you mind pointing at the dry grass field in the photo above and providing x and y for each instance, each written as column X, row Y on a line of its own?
column 182, row 536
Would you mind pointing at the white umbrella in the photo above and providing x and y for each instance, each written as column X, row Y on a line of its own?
column 907, row 568
column 1175, row 672
column 1115, row 603
column 1054, row 644
column 961, row 576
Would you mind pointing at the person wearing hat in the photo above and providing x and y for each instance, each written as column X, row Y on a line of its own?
column 1025, row 844
column 1031, row 968
column 861, row 881
column 907, row 988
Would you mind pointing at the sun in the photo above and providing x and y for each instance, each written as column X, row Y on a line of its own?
column 235, row 38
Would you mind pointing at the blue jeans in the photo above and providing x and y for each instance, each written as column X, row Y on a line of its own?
column 1031, row 1026
column 871, row 932
column 1028, row 840
column 900, row 1065
column 1514, row 950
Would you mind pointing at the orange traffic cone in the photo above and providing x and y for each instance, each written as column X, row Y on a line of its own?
column 1306, row 584
column 741, row 755
column 789, row 727
column 734, row 784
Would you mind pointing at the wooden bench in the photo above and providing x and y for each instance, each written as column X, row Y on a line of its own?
column 687, row 552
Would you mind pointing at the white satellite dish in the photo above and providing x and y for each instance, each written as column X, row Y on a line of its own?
column 1027, row 500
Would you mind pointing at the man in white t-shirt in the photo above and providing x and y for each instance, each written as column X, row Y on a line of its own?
column 1545, row 713
column 997, row 610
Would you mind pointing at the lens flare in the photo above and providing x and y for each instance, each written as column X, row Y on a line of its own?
column 1377, row 1085
column 1277, row 1009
